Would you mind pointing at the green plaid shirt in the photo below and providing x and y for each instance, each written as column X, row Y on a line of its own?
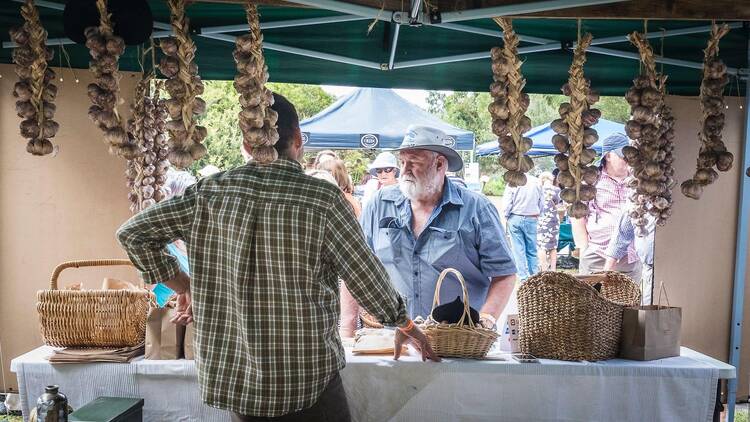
column 267, row 246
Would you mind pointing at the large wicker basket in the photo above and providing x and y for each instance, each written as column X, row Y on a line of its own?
column 563, row 317
column 92, row 318
column 458, row 340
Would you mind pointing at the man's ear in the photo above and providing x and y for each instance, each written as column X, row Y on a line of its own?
column 298, row 139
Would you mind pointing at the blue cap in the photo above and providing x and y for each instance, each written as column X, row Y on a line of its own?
column 615, row 143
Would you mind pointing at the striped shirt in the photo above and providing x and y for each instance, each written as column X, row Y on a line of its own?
column 602, row 224
column 267, row 245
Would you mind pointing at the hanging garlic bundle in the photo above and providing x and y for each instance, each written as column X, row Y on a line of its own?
column 509, row 106
column 34, row 90
column 713, row 152
column 575, row 137
column 184, row 85
column 105, row 49
column 652, row 128
column 146, row 173
column 257, row 119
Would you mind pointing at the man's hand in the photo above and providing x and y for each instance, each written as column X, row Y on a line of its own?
column 416, row 337
column 184, row 314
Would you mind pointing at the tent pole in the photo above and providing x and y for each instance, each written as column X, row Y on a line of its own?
column 301, row 52
column 740, row 259
column 665, row 60
column 519, row 9
column 283, row 24
column 669, row 33
column 394, row 43
column 472, row 56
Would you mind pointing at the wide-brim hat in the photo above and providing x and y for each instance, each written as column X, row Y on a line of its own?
column 431, row 139
column 384, row 160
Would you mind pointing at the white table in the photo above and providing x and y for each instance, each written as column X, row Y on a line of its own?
column 380, row 389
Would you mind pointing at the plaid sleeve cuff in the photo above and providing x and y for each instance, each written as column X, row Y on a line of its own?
column 165, row 268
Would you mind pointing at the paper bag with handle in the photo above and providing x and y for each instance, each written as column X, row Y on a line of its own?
column 163, row 337
column 651, row 332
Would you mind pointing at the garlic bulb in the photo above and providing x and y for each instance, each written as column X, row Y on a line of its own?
column 184, row 85
column 652, row 128
column 509, row 106
column 575, row 137
column 713, row 152
column 34, row 90
column 257, row 119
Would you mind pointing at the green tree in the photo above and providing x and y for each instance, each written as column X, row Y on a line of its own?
column 222, row 105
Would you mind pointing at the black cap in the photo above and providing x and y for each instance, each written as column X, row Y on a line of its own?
column 132, row 19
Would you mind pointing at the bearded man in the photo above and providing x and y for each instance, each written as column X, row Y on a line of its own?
column 427, row 223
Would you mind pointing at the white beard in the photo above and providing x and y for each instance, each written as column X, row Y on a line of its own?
column 415, row 189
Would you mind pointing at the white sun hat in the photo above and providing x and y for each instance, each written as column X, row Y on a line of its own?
column 432, row 139
column 384, row 160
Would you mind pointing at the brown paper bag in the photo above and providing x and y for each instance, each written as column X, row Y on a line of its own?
column 163, row 337
column 188, row 347
column 651, row 332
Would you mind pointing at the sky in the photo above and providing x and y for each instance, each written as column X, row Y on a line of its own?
column 415, row 96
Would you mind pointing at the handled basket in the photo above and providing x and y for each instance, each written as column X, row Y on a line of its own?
column 564, row 317
column 458, row 340
column 92, row 318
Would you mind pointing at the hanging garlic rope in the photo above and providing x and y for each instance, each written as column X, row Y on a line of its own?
column 34, row 90
column 509, row 106
column 575, row 136
column 105, row 49
column 184, row 85
column 713, row 152
column 257, row 120
column 652, row 128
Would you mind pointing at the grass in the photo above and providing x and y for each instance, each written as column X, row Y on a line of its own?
column 11, row 419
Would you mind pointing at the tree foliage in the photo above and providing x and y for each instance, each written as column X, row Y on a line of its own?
column 222, row 105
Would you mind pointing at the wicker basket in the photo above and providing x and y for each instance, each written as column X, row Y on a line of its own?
column 92, row 318
column 458, row 340
column 563, row 317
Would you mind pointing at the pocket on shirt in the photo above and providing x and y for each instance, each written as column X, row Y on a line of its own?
column 444, row 248
column 388, row 244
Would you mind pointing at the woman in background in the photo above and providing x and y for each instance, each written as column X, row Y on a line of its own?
column 548, row 229
column 337, row 169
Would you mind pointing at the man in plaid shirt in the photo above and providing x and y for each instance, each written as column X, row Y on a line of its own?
column 267, row 245
column 594, row 233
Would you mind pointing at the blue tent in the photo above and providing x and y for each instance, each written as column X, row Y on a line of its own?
column 374, row 118
column 542, row 137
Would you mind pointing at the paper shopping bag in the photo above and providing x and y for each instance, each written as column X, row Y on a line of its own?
column 163, row 337
column 188, row 349
column 651, row 332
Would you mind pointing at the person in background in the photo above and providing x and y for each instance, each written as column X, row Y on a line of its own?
column 208, row 170
column 522, row 206
column 385, row 171
column 548, row 229
column 593, row 234
column 337, row 169
column 324, row 156
column 267, row 246
column 644, row 247
column 426, row 224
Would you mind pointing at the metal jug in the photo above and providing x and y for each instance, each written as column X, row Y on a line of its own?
column 52, row 406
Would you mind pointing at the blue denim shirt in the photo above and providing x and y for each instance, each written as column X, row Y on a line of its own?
column 464, row 232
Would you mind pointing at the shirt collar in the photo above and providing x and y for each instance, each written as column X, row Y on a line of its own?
column 451, row 194
column 287, row 164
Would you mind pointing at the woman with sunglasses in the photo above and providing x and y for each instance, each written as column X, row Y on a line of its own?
column 384, row 169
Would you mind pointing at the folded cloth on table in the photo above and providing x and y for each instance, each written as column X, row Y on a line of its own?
column 97, row 354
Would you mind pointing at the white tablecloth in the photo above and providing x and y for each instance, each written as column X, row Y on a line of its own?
column 380, row 389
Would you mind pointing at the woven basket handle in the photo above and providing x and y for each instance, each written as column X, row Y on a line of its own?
column 86, row 263
column 436, row 299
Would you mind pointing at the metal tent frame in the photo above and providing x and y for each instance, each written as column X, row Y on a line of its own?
column 449, row 21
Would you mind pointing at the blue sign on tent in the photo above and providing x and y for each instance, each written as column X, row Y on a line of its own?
column 542, row 137
column 374, row 118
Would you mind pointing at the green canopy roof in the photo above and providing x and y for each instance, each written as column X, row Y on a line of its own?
column 545, row 71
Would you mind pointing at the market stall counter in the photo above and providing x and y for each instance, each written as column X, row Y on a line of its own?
column 380, row 389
